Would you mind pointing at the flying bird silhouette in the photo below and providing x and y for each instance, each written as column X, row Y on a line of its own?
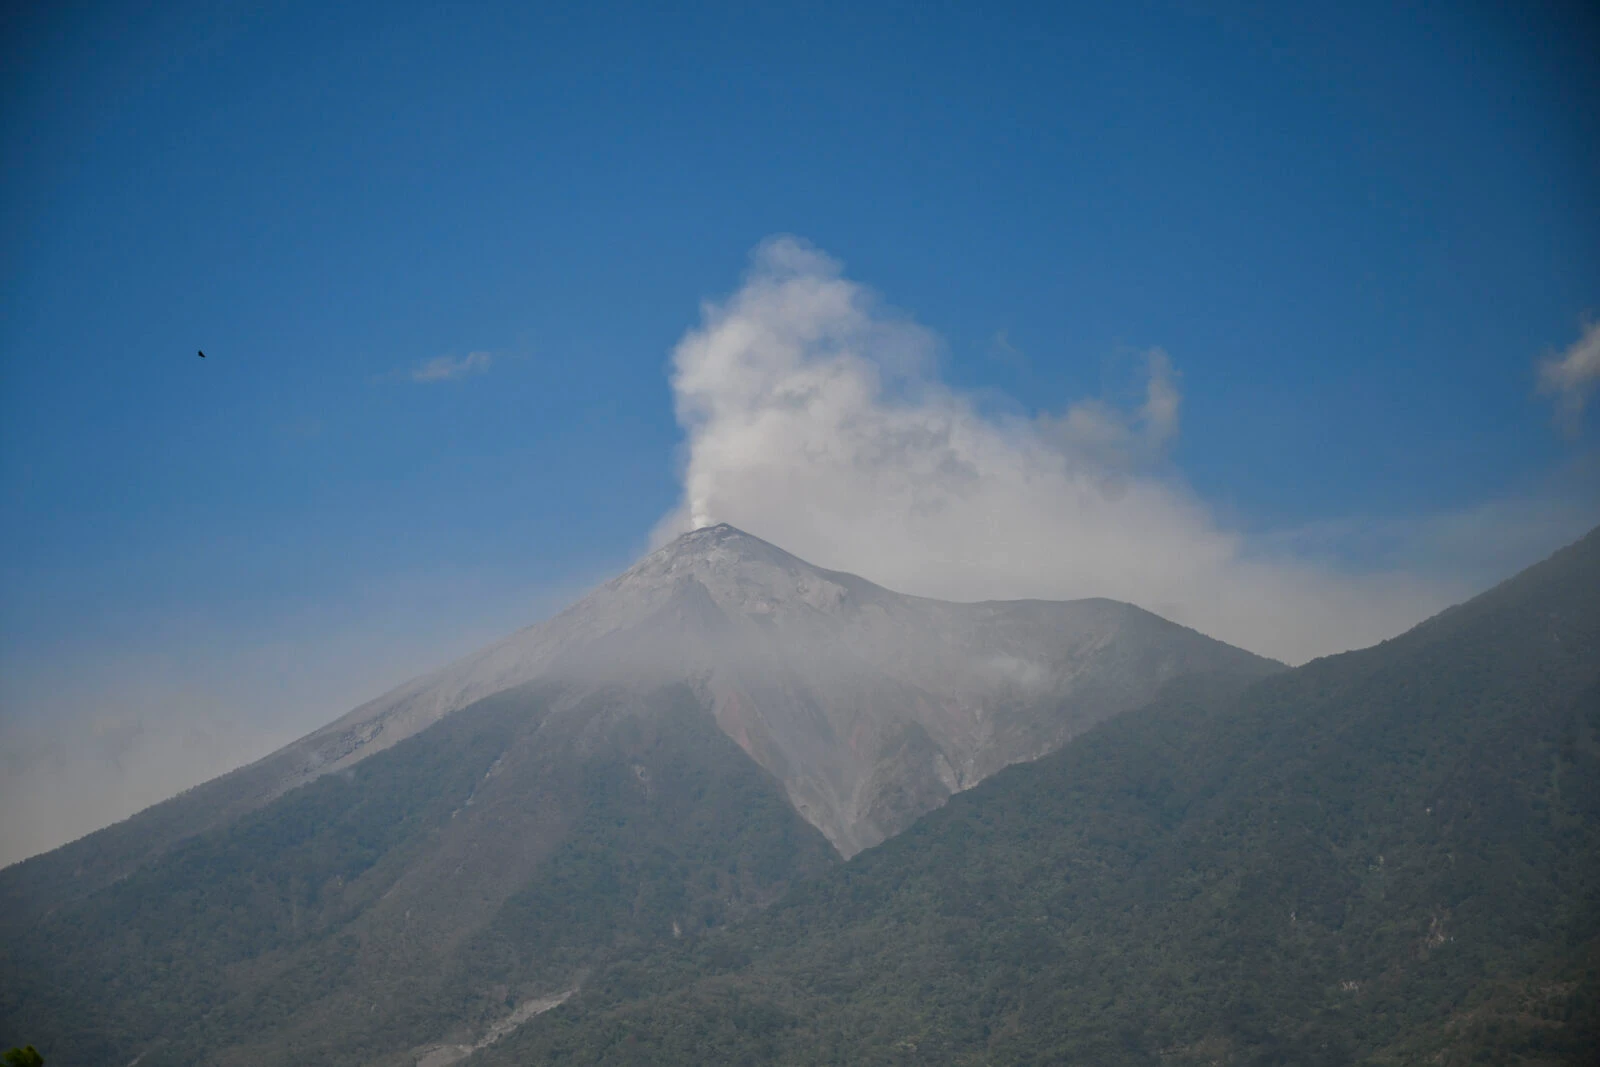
column 202, row 354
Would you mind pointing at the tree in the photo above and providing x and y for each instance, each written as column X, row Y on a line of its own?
column 28, row 1056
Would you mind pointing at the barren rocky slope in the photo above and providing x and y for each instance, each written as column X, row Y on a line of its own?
column 871, row 707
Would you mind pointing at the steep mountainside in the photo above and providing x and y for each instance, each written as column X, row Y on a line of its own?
column 407, row 907
column 655, row 761
column 869, row 706
column 1386, row 857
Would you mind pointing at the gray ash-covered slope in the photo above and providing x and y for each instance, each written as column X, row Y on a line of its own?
column 869, row 706
column 414, row 878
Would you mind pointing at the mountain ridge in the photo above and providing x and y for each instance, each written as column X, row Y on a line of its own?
column 745, row 618
column 1384, row 857
column 404, row 710
column 613, row 839
column 664, row 756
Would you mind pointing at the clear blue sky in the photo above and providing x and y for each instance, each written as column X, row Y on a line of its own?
column 1355, row 229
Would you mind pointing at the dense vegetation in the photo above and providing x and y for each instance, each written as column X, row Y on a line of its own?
column 290, row 933
column 1386, row 857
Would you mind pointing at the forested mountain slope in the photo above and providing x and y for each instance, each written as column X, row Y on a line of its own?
column 419, row 898
column 1385, row 857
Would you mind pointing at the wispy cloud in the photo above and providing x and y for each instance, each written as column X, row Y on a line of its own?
column 450, row 368
column 1001, row 350
column 815, row 418
column 1474, row 546
column 1117, row 439
column 1572, row 376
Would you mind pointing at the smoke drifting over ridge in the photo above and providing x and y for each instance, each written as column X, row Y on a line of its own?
column 814, row 417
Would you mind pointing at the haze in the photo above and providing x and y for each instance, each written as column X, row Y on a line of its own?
column 1281, row 328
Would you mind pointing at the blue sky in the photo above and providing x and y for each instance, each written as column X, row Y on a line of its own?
column 1355, row 231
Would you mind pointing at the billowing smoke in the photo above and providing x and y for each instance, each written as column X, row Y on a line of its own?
column 814, row 418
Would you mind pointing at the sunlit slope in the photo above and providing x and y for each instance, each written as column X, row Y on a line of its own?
column 1390, row 856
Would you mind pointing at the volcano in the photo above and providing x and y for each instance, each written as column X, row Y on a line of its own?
column 665, row 756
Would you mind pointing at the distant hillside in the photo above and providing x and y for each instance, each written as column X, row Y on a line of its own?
column 1386, row 857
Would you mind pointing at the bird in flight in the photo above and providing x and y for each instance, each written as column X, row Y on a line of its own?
column 202, row 354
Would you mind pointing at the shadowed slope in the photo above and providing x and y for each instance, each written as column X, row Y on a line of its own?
column 1390, row 856
column 419, row 898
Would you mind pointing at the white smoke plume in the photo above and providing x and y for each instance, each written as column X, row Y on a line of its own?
column 1572, row 376
column 814, row 418
column 450, row 368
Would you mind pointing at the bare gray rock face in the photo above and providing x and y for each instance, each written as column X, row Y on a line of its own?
column 870, row 707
